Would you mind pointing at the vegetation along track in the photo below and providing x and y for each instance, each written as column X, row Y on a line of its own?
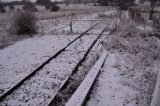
column 43, row 64
column 80, row 95
column 40, row 86
column 70, row 84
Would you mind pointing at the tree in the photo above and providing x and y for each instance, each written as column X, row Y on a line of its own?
column 29, row 6
column 43, row 2
column 2, row 7
column 116, row 2
column 55, row 7
column 103, row 2
column 25, row 1
column 46, row 3
column 15, row 3
column 11, row 7
column 47, row 6
column 152, row 3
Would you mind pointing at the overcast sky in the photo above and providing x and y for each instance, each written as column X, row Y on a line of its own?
column 30, row 0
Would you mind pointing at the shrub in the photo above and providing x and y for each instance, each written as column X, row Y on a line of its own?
column 55, row 7
column 116, row 2
column 25, row 23
column 123, row 8
column 29, row 6
column 2, row 10
column 43, row 2
column 156, row 26
column 2, row 7
column 47, row 6
column 103, row 2
column 67, row 3
column 11, row 7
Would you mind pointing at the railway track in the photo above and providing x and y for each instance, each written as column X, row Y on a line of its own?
column 67, row 83
column 38, row 86
column 44, row 63
column 80, row 96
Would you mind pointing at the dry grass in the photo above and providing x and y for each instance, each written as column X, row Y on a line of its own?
column 142, row 53
column 74, row 81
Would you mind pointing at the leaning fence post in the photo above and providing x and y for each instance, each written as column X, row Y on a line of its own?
column 71, row 26
column 91, row 26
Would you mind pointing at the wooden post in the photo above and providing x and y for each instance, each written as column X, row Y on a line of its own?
column 91, row 25
column 71, row 26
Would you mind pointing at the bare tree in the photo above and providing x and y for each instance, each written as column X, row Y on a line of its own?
column 55, row 7
column 116, row 2
column 25, row 23
column 43, row 2
column 11, row 7
column 152, row 3
column 2, row 7
column 29, row 6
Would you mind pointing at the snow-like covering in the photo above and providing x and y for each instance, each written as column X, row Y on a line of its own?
column 78, row 25
column 113, row 88
column 18, row 60
column 156, row 96
column 25, row 56
column 130, row 71
column 45, row 83
column 145, row 28
column 109, row 90
column 110, row 12
column 40, row 88
column 82, row 91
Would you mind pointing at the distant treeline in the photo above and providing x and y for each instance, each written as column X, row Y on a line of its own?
column 40, row 2
column 116, row 2
column 101, row 2
column 27, row 5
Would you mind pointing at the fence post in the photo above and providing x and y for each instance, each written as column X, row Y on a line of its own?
column 71, row 26
column 91, row 26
